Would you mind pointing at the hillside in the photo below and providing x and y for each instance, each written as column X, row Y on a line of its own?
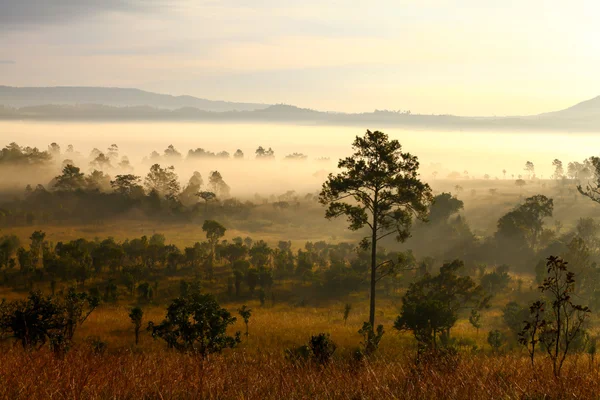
column 119, row 97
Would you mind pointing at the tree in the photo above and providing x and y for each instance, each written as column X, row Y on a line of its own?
column 190, row 192
column 475, row 319
column 127, row 185
column 214, row 232
column 163, row 181
column 97, row 181
column 40, row 318
column 101, row 162
column 263, row 154
column 371, row 337
column 36, row 247
column 136, row 315
column 70, row 180
column 431, row 304
column 206, row 196
column 347, row 309
column 383, row 185
column 525, row 223
column 196, row 323
column 113, row 152
column 530, row 168
column 239, row 154
column 33, row 321
column 260, row 254
column 218, row 185
column 559, row 172
column 245, row 313
column 172, row 153
column 496, row 280
column 495, row 339
column 443, row 206
column 592, row 190
column 565, row 322
column 520, row 183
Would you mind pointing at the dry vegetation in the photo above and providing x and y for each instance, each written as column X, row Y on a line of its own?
column 259, row 370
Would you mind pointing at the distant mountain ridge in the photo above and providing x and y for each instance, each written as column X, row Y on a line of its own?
column 116, row 104
column 119, row 97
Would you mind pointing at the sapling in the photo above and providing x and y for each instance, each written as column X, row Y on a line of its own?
column 245, row 313
column 136, row 315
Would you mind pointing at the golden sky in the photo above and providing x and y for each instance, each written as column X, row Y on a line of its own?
column 462, row 57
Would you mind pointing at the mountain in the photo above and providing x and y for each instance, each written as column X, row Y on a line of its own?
column 115, row 104
column 66, row 95
column 586, row 109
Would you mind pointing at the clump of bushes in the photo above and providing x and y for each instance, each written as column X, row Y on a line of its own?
column 320, row 349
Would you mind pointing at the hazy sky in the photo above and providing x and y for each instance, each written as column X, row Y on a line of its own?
column 469, row 57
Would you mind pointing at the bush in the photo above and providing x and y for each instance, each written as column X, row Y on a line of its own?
column 322, row 348
column 196, row 323
column 496, row 339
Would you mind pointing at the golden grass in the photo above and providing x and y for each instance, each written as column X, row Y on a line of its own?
column 240, row 375
column 257, row 369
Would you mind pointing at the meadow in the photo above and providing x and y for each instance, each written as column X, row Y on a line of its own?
column 301, row 274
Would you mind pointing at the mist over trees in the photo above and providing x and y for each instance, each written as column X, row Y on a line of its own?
column 390, row 237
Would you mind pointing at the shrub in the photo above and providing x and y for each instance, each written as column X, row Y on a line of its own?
column 496, row 339
column 322, row 348
column 196, row 323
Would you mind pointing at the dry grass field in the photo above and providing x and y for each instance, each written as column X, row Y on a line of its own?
column 257, row 368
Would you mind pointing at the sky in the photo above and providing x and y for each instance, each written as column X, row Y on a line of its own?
column 463, row 57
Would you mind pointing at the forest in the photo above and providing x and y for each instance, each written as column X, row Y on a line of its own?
column 156, row 279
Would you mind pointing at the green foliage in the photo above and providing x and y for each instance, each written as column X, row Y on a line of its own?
column 514, row 316
column 245, row 312
column 40, row 319
column 496, row 339
column 136, row 315
column 71, row 179
column 443, row 206
column 497, row 280
column 347, row 309
column 383, row 192
column 524, row 224
column 431, row 305
column 163, row 181
column 322, row 348
column 196, row 323
column 371, row 338
column 475, row 319
column 559, row 330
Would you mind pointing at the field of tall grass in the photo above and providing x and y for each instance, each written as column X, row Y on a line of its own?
column 258, row 368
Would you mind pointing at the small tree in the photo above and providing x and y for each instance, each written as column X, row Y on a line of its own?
column 136, row 316
column 431, row 305
column 347, row 310
column 322, row 348
column 371, row 338
column 245, row 312
column 196, row 323
column 496, row 339
column 475, row 319
column 206, row 196
column 214, row 232
column 561, row 325
column 45, row 318
column 533, row 326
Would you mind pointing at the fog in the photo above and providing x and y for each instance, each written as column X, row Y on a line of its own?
column 478, row 153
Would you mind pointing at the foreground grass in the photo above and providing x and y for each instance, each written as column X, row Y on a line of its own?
column 258, row 369
column 238, row 375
